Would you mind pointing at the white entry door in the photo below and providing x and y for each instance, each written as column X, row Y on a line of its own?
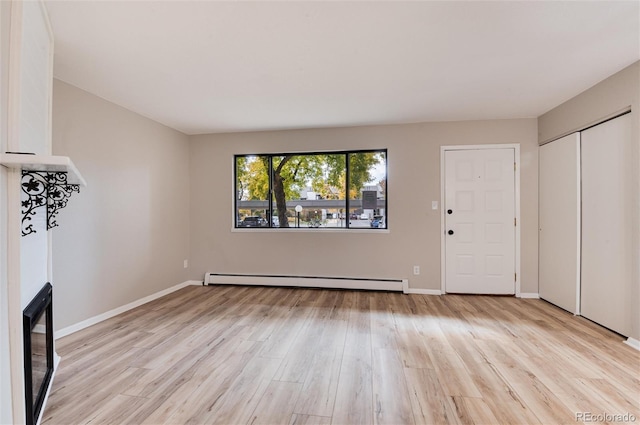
column 479, row 222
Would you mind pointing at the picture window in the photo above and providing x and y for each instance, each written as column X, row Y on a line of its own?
column 338, row 190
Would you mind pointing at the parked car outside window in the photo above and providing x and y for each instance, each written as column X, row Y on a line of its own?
column 254, row 221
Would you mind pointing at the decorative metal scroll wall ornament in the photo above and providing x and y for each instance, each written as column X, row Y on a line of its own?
column 46, row 190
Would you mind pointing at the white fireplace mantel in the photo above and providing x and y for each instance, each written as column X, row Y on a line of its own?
column 44, row 163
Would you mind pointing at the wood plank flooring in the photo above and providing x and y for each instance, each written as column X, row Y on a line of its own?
column 256, row 355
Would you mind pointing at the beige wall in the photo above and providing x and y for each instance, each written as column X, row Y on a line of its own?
column 616, row 93
column 414, row 181
column 126, row 235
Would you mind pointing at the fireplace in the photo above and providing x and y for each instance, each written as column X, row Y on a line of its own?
column 38, row 351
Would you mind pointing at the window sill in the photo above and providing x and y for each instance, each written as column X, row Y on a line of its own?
column 308, row 230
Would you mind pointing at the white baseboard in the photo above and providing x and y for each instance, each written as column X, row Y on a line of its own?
column 111, row 313
column 632, row 342
column 307, row 282
column 423, row 291
column 533, row 295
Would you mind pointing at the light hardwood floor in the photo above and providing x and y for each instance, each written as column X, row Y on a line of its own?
column 254, row 355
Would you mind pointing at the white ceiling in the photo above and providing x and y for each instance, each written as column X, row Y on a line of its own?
column 212, row 66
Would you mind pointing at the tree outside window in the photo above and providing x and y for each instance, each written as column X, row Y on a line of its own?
column 334, row 189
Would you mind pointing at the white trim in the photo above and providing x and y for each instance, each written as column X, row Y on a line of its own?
column 578, row 223
column 516, row 154
column 309, row 230
column 111, row 313
column 14, row 87
column 56, row 362
column 47, row 21
column 424, row 291
column 14, row 288
column 14, row 297
column 533, row 295
column 516, row 158
column 308, row 282
column 633, row 343
column 443, row 258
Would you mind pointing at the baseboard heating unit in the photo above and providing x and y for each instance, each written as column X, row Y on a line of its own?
column 400, row 285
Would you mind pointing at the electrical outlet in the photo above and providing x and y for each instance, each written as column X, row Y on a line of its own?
column 434, row 205
column 186, row 263
column 416, row 270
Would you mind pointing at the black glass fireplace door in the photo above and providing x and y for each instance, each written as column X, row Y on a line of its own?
column 38, row 351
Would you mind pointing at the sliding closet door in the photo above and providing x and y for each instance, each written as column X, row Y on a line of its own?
column 607, row 252
column 559, row 215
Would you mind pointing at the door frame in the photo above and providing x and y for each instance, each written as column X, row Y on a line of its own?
column 516, row 153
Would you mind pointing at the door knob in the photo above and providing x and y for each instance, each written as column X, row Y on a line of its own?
column 449, row 211
column 450, row 232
